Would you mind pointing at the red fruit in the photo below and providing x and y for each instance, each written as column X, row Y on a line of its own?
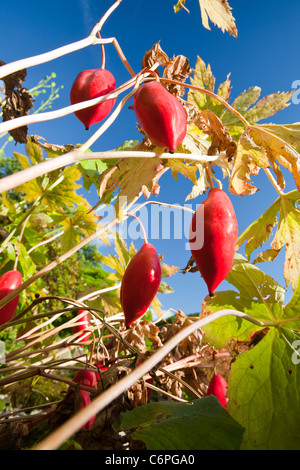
column 140, row 283
column 161, row 115
column 218, row 388
column 9, row 282
column 86, row 400
column 84, row 324
column 218, row 230
column 88, row 379
column 92, row 84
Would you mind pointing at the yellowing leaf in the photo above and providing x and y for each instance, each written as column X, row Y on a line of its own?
column 130, row 176
column 202, row 78
column 267, row 255
column 248, row 160
column 34, row 151
column 259, row 231
column 288, row 234
column 290, row 133
column 241, row 104
column 179, row 166
column 277, row 149
column 219, row 12
column 268, row 106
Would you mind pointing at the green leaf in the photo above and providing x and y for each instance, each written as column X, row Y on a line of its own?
column 90, row 171
column 263, row 391
column 290, row 315
column 201, row 425
column 259, row 296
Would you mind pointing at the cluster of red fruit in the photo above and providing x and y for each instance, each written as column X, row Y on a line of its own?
column 164, row 121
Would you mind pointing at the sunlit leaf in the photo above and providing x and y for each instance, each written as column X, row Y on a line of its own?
column 201, row 425
column 288, row 234
column 264, row 386
column 219, row 12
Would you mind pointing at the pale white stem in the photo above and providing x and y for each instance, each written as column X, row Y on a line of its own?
column 64, row 432
column 99, row 292
column 50, row 115
column 44, row 242
column 98, row 26
column 75, row 156
column 7, row 69
column 107, row 123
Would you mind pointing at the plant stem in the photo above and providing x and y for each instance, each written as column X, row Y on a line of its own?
column 76, row 156
column 141, row 225
column 64, row 432
column 213, row 95
column 7, row 69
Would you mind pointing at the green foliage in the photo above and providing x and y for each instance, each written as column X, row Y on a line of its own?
column 201, row 425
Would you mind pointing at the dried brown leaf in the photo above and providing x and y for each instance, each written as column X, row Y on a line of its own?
column 18, row 102
column 154, row 55
column 177, row 69
column 221, row 140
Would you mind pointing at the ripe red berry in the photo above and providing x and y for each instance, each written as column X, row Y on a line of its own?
column 92, row 84
column 84, row 324
column 140, row 283
column 218, row 388
column 89, row 379
column 213, row 238
column 160, row 114
column 9, row 282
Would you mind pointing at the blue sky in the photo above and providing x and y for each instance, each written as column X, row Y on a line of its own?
column 265, row 54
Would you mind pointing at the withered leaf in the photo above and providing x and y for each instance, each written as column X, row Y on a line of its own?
column 154, row 55
column 52, row 149
column 18, row 102
column 220, row 139
column 248, row 161
column 190, row 266
column 177, row 69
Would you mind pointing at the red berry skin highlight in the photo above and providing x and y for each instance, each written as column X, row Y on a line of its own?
column 161, row 115
column 91, row 84
column 89, row 379
column 9, row 282
column 140, row 283
column 218, row 388
column 85, row 323
column 219, row 232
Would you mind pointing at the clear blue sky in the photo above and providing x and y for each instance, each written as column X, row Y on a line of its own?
column 264, row 54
